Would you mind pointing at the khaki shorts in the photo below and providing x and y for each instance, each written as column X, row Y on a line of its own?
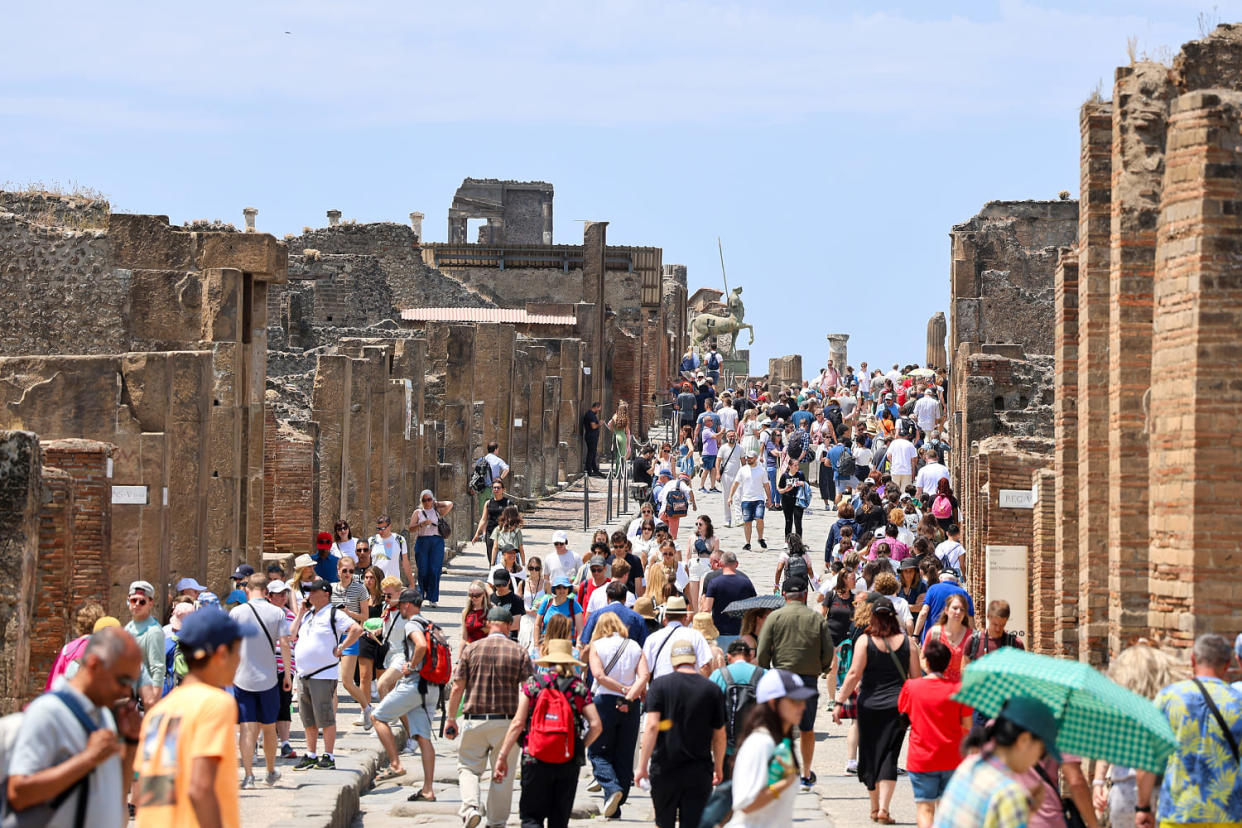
column 315, row 702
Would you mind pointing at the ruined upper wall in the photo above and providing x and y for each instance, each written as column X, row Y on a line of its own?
column 132, row 284
column 517, row 212
column 1002, row 271
column 1215, row 62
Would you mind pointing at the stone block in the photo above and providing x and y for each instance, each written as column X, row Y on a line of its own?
column 256, row 253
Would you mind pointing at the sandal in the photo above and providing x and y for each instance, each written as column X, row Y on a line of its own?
column 874, row 814
column 419, row 796
column 388, row 773
column 884, row 820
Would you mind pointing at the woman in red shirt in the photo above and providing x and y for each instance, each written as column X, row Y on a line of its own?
column 474, row 614
column 937, row 727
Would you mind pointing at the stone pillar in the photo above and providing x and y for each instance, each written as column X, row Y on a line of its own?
column 594, row 247
column 1042, row 564
column 249, row 213
column 20, row 504
column 334, row 218
column 1065, row 456
column 416, row 222
column 1096, row 123
column 1195, row 455
column 457, row 229
column 937, row 330
column 546, row 209
column 837, row 351
column 518, row 451
column 1140, row 111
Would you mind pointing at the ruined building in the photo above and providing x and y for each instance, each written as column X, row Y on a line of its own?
column 1133, row 529
column 177, row 400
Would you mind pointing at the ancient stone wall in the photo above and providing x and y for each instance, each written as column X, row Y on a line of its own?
column 1145, row 319
column 21, row 496
column 784, row 371
column 52, row 622
column 1001, row 275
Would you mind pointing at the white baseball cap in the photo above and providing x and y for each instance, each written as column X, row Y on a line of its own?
column 277, row 585
column 782, row 684
column 560, row 536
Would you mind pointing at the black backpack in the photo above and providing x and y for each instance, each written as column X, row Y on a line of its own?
column 796, row 567
column 478, row 477
column 833, row 415
column 846, row 465
column 739, row 698
column 1010, row 639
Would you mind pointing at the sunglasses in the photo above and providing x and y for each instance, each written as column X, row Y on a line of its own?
column 535, row 568
column 362, row 549
column 344, row 571
column 558, row 543
column 138, row 602
column 597, row 569
column 475, row 594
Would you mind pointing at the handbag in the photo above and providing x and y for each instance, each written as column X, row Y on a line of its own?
column 1073, row 819
column 443, row 527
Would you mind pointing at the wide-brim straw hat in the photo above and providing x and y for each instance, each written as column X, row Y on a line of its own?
column 706, row 627
column 560, row 651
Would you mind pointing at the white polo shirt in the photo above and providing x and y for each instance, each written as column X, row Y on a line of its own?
column 316, row 641
column 661, row 666
column 750, row 481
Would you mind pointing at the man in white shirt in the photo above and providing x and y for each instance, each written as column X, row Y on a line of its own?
column 755, row 489
column 727, row 413
column 927, row 413
column 497, row 470
column 894, row 375
column 931, row 474
column 255, row 681
column 729, row 461
column 681, row 505
column 389, row 551
column 563, row 561
column 901, row 457
column 318, row 629
column 658, row 646
column 950, row 551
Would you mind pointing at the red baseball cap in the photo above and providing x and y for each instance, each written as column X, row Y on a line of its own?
column 323, row 540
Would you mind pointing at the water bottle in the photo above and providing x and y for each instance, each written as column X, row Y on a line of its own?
column 645, row 784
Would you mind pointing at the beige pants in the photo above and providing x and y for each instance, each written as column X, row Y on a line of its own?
column 903, row 480
column 476, row 757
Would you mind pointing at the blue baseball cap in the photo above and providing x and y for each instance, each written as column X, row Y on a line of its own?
column 206, row 629
column 561, row 581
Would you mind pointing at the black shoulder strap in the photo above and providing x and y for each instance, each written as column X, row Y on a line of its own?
column 660, row 649
column 616, row 656
column 262, row 626
column 1220, row 720
column 727, row 676
column 896, row 662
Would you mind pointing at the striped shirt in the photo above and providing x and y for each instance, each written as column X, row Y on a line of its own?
column 350, row 597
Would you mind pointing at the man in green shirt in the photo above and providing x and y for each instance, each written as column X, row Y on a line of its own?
column 150, row 637
column 796, row 638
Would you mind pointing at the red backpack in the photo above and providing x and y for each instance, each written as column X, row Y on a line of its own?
column 552, row 725
column 438, row 663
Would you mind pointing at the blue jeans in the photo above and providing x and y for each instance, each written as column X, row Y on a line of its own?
column 429, row 558
column 776, row 498
column 612, row 754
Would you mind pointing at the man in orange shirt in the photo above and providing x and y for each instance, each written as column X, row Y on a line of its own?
column 187, row 757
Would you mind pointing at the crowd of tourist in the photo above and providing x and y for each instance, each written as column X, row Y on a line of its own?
column 651, row 657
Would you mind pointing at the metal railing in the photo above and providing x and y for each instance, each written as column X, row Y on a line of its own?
column 616, row 487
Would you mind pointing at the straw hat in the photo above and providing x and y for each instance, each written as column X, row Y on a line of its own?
column 302, row 561
column 706, row 627
column 645, row 607
column 560, row 651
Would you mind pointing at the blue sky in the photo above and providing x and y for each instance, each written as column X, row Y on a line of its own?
column 830, row 145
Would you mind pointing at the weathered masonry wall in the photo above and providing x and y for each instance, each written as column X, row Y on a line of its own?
column 21, row 497
column 175, row 385
column 1147, row 317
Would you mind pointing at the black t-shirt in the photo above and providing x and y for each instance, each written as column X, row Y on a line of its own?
column 724, row 590
column 513, row 603
column 588, row 419
column 691, row 708
column 705, row 393
column 642, row 470
column 840, row 615
column 636, row 569
column 780, row 411
column 783, row 481
column 494, row 507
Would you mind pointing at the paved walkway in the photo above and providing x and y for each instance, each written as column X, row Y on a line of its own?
column 327, row 798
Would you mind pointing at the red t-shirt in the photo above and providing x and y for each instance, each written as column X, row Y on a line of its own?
column 936, row 731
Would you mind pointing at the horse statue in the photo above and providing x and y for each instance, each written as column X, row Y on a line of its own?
column 707, row 325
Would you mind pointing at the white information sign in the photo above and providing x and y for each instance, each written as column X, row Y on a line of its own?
column 1017, row 499
column 1007, row 580
column 129, row 495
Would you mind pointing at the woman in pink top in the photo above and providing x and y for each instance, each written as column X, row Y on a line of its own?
column 953, row 628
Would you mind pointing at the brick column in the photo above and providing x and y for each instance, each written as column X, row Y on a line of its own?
column 1095, row 121
column 1065, row 457
column 1043, row 565
column 1195, row 450
column 90, row 554
column 1140, row 100
column 52, row 625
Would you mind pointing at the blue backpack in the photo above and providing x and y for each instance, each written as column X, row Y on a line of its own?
column 170, row 658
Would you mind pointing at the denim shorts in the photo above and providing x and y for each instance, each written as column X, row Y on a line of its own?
column 929, row 785
column 752, row 510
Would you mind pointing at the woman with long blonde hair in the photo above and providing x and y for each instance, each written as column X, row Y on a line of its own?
column 620, row 674
column 1146, row 670
column 620, row 425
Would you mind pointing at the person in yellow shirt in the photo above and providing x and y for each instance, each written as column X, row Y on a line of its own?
column 187, row 756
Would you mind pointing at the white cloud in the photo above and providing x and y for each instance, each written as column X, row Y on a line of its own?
column 613, row 63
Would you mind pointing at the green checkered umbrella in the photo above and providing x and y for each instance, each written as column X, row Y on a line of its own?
column 1099, row 718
